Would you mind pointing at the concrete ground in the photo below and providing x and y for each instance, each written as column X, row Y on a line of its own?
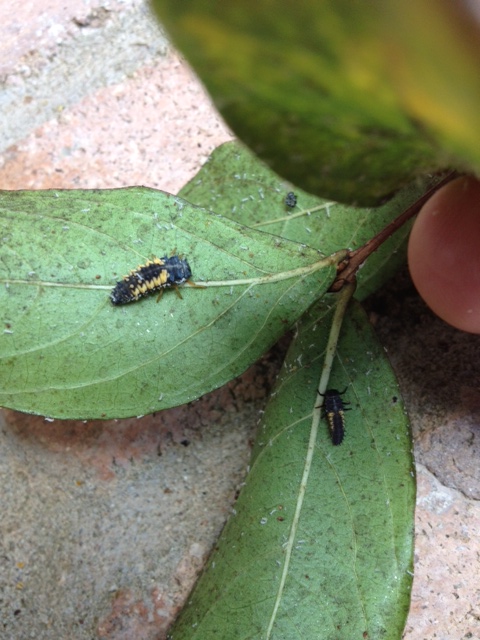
column 92, row 96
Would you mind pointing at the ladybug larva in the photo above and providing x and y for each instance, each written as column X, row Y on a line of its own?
column 334, row 411
column 155, row 275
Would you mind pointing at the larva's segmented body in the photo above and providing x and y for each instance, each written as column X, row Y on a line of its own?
column 334, row 411
column 154, row 275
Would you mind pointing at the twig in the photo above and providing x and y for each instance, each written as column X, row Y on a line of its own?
column 347, row 269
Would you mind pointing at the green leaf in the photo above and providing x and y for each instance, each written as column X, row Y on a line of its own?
column 67, row 352
column 320, row 542
column 349, row 101
column 236, row 184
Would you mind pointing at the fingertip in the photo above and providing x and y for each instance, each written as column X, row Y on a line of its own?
column 444, row 253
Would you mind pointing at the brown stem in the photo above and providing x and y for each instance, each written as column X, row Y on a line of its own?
column 347, row 269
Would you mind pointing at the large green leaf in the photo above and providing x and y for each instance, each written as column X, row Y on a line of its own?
column 236, row 184
column 320, row 542
column 67, row 352
column 348, row 100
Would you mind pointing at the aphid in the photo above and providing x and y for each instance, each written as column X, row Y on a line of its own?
column 291, row 199
column 334, row 411
column 154, row 275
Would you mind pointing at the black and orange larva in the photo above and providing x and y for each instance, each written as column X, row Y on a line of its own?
column 334, row 411
column 155, row 275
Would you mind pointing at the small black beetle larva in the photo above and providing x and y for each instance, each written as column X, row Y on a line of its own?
column 291, row 199
column 334, row 411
